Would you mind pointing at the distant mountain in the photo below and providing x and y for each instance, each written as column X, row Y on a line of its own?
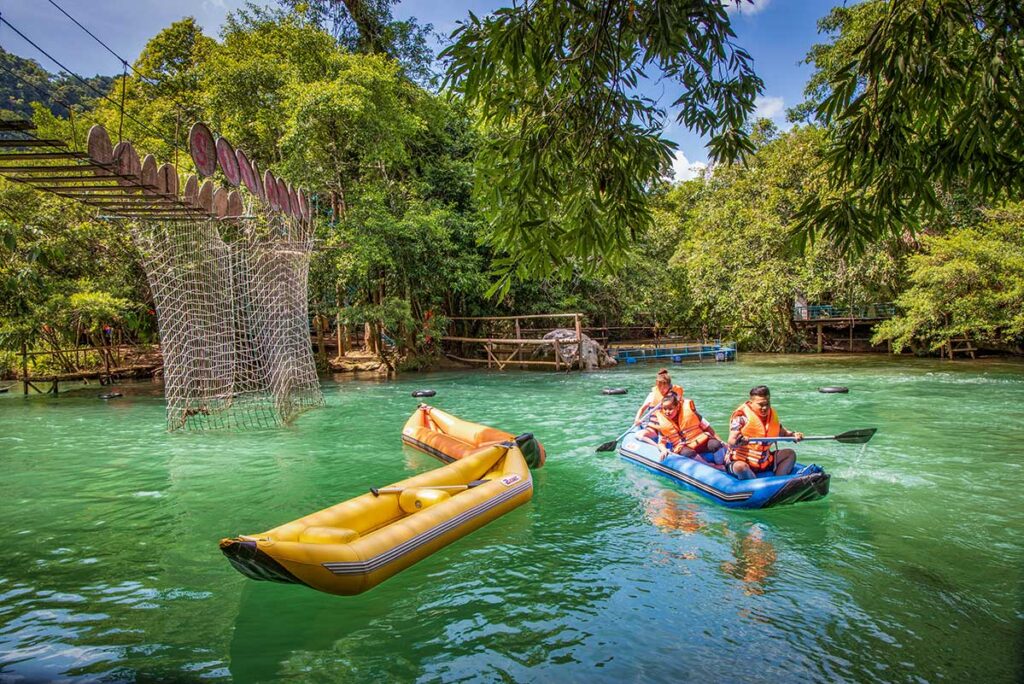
column 23, row 81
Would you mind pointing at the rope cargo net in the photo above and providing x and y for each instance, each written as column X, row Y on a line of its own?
column 228, row 268
column 234, row 330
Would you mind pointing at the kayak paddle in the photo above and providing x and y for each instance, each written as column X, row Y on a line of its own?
column 398, row 490
column 610, row 446
column 850, row 437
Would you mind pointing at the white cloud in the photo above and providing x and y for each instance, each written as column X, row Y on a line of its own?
column 768, row 107
column 745, row 6
column 685, row 169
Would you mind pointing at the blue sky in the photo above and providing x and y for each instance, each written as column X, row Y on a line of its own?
column 777, row 33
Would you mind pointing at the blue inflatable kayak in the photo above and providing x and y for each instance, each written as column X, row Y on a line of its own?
column 805, row 483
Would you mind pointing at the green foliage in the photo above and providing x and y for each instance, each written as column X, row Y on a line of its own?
column 849, row 26
column 63, row 276
column 262, row 54
column 90, row 311
column 737, row 271
column 967, row 283
column 354, row 126
column 571, row 145
column 548, row 173
column 368, row 26
column 931, row 99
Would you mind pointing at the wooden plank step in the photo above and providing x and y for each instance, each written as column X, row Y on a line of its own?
column 31, row 142
column 24, row 156
column 39, row 168
column 16, row 125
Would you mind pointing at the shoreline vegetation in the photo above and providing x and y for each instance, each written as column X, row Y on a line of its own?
column 415, row 226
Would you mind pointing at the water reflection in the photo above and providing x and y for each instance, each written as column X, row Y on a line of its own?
column 754, row 559
column 666, row 510
column 753, row 556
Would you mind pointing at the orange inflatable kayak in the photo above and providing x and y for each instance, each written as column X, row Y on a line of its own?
column 448, row 438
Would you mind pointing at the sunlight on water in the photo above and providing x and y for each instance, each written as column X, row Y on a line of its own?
column 912, row 569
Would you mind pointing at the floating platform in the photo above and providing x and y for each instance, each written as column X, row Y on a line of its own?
column 676, row 353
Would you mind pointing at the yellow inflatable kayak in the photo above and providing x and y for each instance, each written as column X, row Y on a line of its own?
column 448, row 438
column 356, row 545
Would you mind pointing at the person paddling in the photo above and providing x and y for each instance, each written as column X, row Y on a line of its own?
column 681, row 430
column 756, row 418
column 662, row 387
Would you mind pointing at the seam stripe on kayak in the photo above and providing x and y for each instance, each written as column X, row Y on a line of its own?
column 362, row 567
column 632, row 455
column 427, row 449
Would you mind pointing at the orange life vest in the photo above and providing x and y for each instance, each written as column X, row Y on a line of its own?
column 655, row 396
column 658, row 396
column 759, row 456
column 686, row 428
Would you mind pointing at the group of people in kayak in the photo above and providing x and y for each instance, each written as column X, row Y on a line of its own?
column 672, row 423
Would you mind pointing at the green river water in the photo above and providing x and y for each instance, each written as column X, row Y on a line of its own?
column 911, row 570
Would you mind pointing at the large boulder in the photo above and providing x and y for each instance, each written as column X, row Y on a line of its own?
column 594, row 355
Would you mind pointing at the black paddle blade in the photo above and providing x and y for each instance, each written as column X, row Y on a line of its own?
column 856, row 436
column 608, row 446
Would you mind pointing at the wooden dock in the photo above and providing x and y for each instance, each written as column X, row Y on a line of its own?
column 106, row 374
column 504, row 340
column 854, row 323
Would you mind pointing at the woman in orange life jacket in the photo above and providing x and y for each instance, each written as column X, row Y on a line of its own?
column 662, row 386
column 682, row 431
column 757, row 418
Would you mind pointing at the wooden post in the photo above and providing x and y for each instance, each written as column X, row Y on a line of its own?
column 851, row 334
column 821, row 339
column 579, row 341
column 321, row 347
column 519, row 336
column 557, row 362
column 106, row 365
column 24, row 366
column 337, row 334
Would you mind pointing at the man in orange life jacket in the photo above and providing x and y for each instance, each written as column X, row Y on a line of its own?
column 662, row 387
column 757, row 418
column 681, row 430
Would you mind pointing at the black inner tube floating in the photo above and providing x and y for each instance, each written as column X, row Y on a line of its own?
column 834, row 390
column 111, row 395
column 424, row 393
column 614, row 390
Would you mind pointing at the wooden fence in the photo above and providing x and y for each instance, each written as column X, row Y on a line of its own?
column 509, row 336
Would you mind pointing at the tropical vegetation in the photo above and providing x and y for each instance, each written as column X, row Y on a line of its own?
column 525, row 171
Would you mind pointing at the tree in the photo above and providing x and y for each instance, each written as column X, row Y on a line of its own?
column 64, row 276
column 354, row 125
column 368, row 26
column 920, row 97
column 967, row 283
column 571, row 143
column 737, row 271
